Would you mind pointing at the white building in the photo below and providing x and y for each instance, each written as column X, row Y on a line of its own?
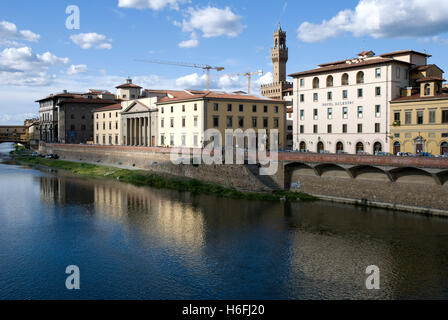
column 343, row 106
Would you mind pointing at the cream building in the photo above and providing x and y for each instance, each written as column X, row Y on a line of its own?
column 107, row 125
column 184, row 116
column 344, row 106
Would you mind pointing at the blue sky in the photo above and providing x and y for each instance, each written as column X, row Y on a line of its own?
column 39, row 55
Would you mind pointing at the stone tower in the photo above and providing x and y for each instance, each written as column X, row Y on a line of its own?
column 279, row 88
column 279, row 55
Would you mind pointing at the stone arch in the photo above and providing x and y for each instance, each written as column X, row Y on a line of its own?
column 412, row 175
column 396, row 147
column 443, row 177
column 297, row 168
column 315, row 83
column 377, row 147
column 330, row 81
column 359, row 147
column 333, row 170
column 370, row 173
column 360, row 77
column 345, row 79
column 339, row 147
column 320, row 147
column 302, row 146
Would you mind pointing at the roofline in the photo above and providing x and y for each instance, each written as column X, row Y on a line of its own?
column 349, row 66
column 223, row 99
column 401, row 52
column 420, row 99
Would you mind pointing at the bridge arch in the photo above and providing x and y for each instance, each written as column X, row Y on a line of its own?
column 369, row 172
column 332, row 169
column 412, row 175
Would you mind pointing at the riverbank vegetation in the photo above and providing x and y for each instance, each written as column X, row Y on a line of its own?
column 145, row 178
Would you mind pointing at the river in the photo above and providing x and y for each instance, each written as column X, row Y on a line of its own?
column 141, row 243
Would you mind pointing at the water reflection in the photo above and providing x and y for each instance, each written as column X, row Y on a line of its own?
column 156, row 244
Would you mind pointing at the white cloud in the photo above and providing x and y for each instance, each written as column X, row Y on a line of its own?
column 382, row 19
column 192, row 81
column 212, row 22
column 91, row 40
column 437, row 39
column 192, row 43
column 150, row 4
column 77, row 69
column 267, row 78
column 9, row 31
column 22, row 67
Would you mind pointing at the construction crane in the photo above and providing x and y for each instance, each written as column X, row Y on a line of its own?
column 249, row 77
column 205, row 67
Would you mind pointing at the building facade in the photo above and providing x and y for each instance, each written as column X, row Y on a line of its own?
column 68, row 117
column 184, row 116
column 14, row 134
column 344, row 106
column 419, row 118
column 107, row 125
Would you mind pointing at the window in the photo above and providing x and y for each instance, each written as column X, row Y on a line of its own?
column 172, row 122
column 254, row 108
column 315, row 114
column 330, row 113
column 172, row 139
column 329, row 128
column 229, row 108
column 315, row 97
column 398, row 73
column 229, row 122
column 116, row 139
column 215, row 107
column 163, row 110
column 97, row 126
column 359, row 128
column 183, row 108
column 276, row 123
column 360, row 77
column 275, row 109
column 302, row 82
column 302, row 115
column 162, row 123
column 97, row 115
column 316, row 83
column 104, row 139
column 195, row 121
column 110, row 115
column 195, row 140
column 427, row 89
column 110, row 139
column 116, row 125
column 315, row 128
column 241, row 108
column 345, row 79
column 359, row 147
column 241, row 122
column 377, row 111
column 104, row 125
column 265, row 123
column 360, row 93
column 162, row 140
column 183, row 122
column 360, row 111
column 444, row 116
column 432, row 116
column 344, row 94
column 172, row 109
column 408, row 117
column 329, row 95
column 254, row 122
column 377, row 128
column 110, row 125
column 302, row 129
column 378, row 73
column 397, row 116
column 302, row 97
column 419, row 117
column 344, row 128
column 183, row 140
column 265, row 109
column 195, row 107
column 97, row 140
column 345, row 112
column 378, row 91
column 330, row 81
column 216, row 121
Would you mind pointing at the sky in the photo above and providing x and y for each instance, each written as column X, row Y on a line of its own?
column 41, row 54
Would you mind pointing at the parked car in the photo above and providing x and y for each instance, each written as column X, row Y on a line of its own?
column 403, row 154
column 52, row 156
column 383, row 154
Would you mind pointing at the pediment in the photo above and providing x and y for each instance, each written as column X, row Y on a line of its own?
column 136, row 107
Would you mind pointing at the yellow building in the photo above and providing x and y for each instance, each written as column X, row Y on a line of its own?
column 107, row 125
column 419, row 118
column 184, row 116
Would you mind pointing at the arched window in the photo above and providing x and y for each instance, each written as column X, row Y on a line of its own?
column 329, row 81
column 427, row 89
column 359, row 147
column 320, row 147
column 302, row 146
column 345, row 79
column 360, row 77
column 397, row 147
column 444, row 148
column 316, row 83
column 377, row 147
column 339, row 147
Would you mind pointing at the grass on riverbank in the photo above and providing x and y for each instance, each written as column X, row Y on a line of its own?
column 144, row 178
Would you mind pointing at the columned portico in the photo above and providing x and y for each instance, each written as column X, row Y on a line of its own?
column 136, row 120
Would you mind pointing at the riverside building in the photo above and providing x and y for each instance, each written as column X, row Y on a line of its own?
column 344, row 106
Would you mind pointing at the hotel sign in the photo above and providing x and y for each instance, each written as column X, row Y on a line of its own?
column 341, row 103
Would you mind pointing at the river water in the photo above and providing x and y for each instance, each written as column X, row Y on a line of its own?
column 142, row 243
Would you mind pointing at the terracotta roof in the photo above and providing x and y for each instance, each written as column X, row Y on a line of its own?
column 128, row 85
column 198, row 94
column 417, row 97
column 109, row 108
column 430, row 79
column 61, row 95
column 400, row 52
column 88, row 101
column 345, row 66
